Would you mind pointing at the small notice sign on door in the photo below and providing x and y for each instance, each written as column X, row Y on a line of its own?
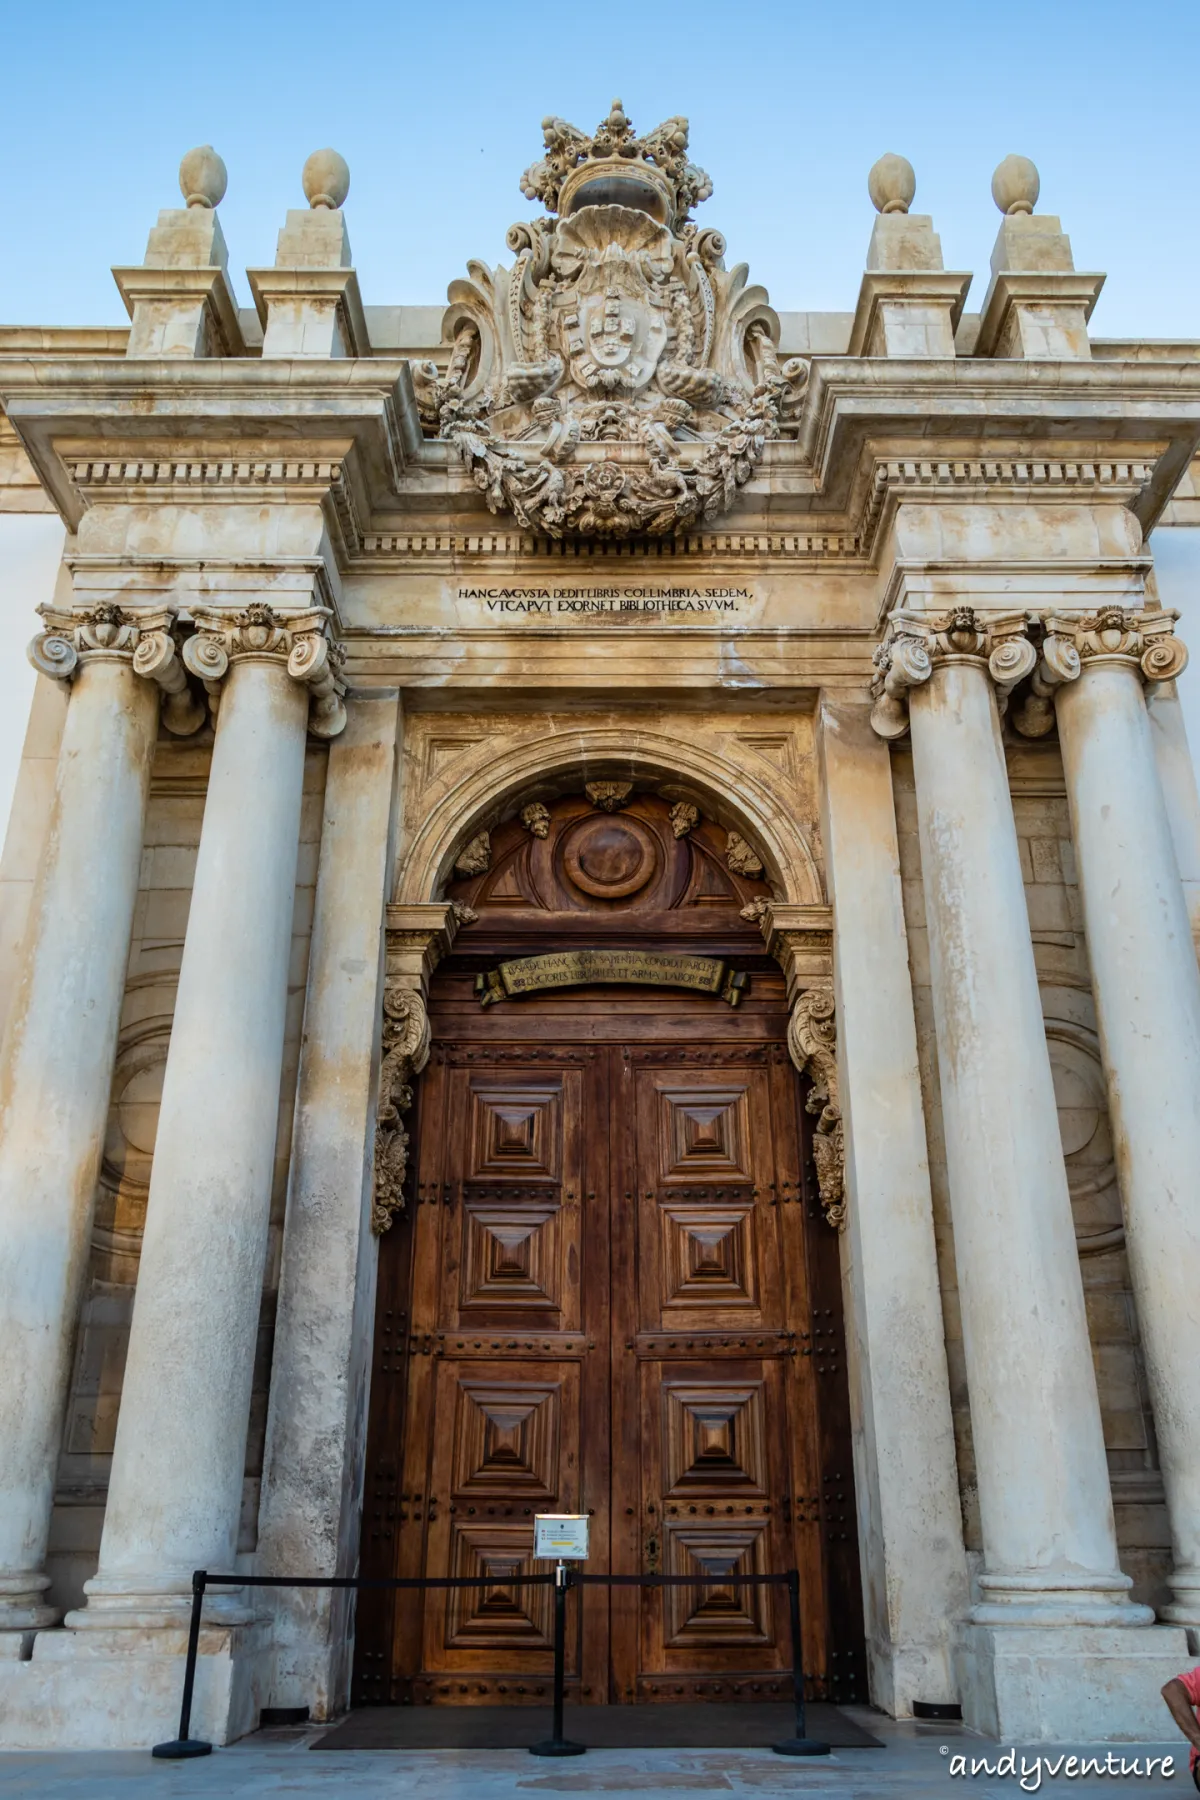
column 561, row 1537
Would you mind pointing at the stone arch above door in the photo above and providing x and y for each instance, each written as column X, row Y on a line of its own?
column 759, row 786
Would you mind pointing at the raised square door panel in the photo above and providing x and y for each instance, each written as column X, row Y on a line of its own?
column 516, row 1130
column 703, row 1133
column 709, row 1255
column 714, row 1614
column 506, row 1436
column 714, row 1440
column 503, row 1616
column 511, row 1255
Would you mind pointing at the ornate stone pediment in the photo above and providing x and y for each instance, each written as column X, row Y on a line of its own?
column 618, row 380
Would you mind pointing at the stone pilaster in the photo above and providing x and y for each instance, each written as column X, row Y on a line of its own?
column 60, row 1041
column 1147, row 992
column 910, row 1528
column 312, row 1488
column 175, row 1492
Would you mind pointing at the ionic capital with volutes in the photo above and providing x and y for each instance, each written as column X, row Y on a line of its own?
column 1143, row 640
column 105, row 633
column 301, row 642
column 917, row 644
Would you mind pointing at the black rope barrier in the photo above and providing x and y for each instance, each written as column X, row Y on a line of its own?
column 564, row 1578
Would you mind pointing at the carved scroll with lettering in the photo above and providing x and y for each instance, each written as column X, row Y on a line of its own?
column 580, row 968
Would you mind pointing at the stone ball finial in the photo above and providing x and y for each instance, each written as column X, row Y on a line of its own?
column 892, row 184
column 326, row 179
column 203, row 177
column 1016, row 185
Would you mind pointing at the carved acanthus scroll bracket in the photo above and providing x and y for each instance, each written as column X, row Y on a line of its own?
column 812, row 1045
column 405, row 1053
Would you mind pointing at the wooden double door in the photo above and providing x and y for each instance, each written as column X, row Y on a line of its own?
column 622, row 1299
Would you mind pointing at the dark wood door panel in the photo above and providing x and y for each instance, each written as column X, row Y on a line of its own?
column 616, row 1294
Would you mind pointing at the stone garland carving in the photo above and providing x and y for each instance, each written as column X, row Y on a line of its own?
column 618, row 324
column 1145, row 639
column 740, row 858
column 405, row 1053
column 812, row 1045
column 684, row 817
column 914, row 645
column 609, row 796
column 475, row 858
column 536, row 819
column 301, row 640
column 105, row 631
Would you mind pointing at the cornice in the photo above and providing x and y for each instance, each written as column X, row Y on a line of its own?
column 283, row 413
column 344, row 432
column 851, row 402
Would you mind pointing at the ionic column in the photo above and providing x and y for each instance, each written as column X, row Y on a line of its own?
column 175, row 1492
column 57, row 1056
column 1049, row 1541
column 1147, row 992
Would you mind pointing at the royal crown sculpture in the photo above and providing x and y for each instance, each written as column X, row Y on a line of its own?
column 618, row 380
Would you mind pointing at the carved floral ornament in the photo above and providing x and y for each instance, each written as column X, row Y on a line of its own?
column 147, row 638
column 812, row 1044
column 405, row 1053
column 1066, row 644
column 617, row 381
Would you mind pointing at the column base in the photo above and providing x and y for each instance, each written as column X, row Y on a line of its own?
column 22, row 1603
column 1028, row 1684
column 121, row 1689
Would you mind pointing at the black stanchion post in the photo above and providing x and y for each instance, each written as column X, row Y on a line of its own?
column 556, row 1744
column 800, row 1744
column 177, row 1749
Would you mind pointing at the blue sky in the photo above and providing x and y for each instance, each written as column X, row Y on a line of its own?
column 437, row 110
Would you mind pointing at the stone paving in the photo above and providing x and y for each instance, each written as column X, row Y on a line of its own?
column 917, row 1761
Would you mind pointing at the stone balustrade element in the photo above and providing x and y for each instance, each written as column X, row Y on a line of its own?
column 60, row 1042
column 298, row 640
column 1050, row 1556
column 175, row 1492
column 1094, row 671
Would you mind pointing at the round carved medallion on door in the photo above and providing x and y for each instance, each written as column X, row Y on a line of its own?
column 609, row 857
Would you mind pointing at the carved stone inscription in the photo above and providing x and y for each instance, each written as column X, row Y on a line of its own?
column 579, row 968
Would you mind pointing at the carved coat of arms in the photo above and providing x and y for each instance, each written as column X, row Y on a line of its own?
column 617, row 380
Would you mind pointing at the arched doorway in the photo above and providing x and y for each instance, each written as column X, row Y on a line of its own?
column 612, row 1290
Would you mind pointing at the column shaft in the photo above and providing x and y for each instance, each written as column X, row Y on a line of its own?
column 316, row 1423
column 175, row 1493
column 55, row 1075
column 914, row 1568
column 1047, row 1521
column 1147, row 990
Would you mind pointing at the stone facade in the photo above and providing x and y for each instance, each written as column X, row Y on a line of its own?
column 346, row 587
